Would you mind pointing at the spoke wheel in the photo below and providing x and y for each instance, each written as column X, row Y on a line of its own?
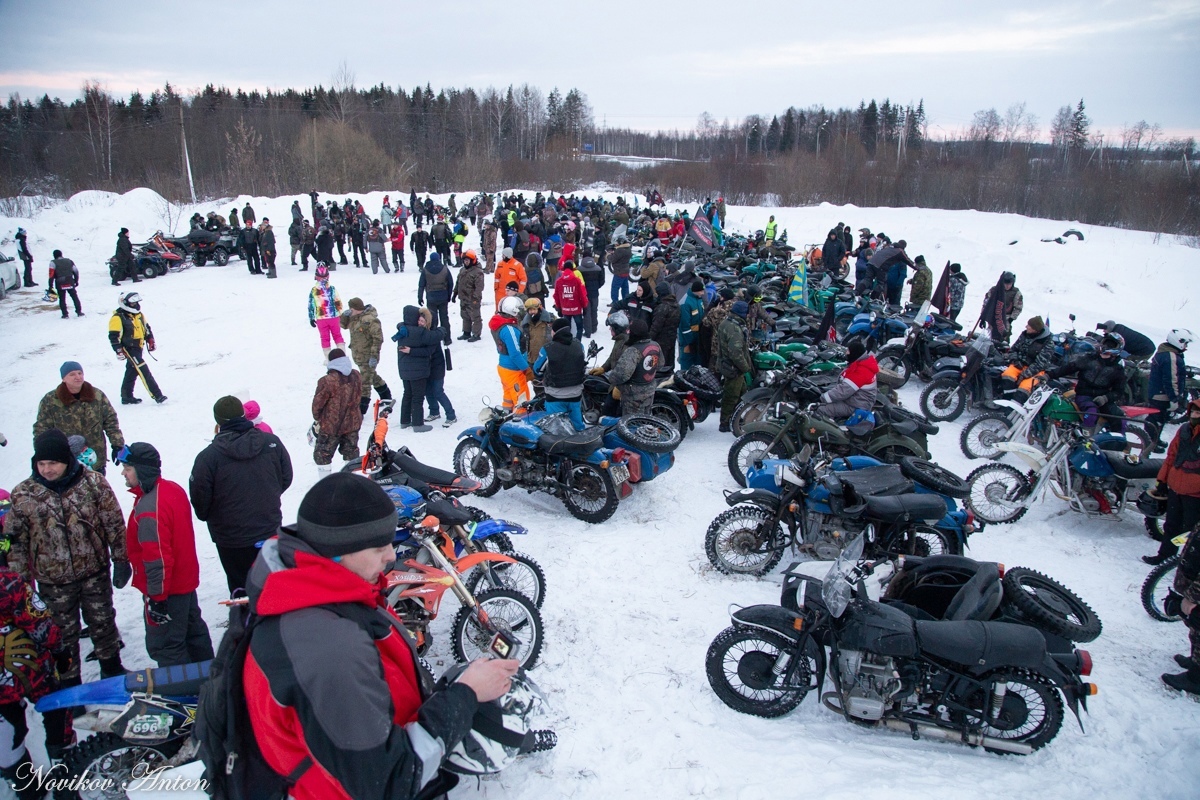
column 1050, row 605
column 592, row 496
column 750, row 448
column 508, row 611
column 997, row 493
column 524, row 576
column 981, row 435
column 740, row 667
column 1157, row 587
column 106, row 760
column 743, row 541
column 472, row 461
column 1032, row 711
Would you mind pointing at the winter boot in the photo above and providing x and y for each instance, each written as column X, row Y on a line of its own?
column 363, row 405
column 23, row 778
column 162, row 398
column 111, row 667
column 1185, row 681
column 384, row 392
column 130, row 401
column 1186, row 662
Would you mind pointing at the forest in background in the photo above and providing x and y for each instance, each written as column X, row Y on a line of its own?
column 344, row 139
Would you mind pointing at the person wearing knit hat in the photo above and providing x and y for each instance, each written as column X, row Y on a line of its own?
column 337, row 412
column 67, row 530
column 1032, row 352
column 161, row 544
column 691, row 314
column 75, row 407
column 83, row 454
column 509, row 270
column 336, row 666
column 235, row 486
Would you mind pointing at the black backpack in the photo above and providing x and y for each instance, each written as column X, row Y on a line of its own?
column 234, row 765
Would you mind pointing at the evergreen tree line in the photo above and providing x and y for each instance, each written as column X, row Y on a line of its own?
column 343, row 140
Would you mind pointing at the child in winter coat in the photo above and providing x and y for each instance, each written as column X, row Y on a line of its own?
column 254, row 414
column 397, row 240
column 324, row 306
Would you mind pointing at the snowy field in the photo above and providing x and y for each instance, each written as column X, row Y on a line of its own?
column 633, row 604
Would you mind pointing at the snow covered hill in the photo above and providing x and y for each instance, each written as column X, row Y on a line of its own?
column 632, row 604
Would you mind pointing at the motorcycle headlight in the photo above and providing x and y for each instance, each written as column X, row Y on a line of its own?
column 485, row 414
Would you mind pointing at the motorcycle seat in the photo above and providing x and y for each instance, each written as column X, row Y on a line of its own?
column 881, row 480
column 982, row 646
column 1143, row 468
column 583, row 443
column 979, row 597
column 905, row 507
column 183, row 680
column 447, row 513
column 407, row 463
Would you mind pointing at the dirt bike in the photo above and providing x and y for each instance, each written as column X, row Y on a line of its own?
column 140, row 720
column 1093, row 480
column 415, row 590
column 981, row 683
column 1158, row 593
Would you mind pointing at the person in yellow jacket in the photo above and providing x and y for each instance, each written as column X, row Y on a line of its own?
column 770, row 230
column 128, row 333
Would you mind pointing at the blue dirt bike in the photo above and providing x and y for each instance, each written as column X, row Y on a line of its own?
column 588, row 470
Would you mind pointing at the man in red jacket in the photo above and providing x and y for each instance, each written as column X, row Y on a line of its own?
column 336, row 696
column 856, row 389
column 162, row 551
column 570, row 298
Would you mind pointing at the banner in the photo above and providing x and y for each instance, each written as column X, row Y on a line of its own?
column 827, row 330
column 941, row 295
column 701, row 232
column 798, row 291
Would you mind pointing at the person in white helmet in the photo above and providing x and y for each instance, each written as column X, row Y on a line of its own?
column 1166, row 388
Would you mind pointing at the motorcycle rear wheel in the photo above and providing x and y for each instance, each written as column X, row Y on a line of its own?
column 980, row 435
column 739, row 668
column 107, row 759
column 989, row 488
column 472, row 461
column 1032, row 711
column 509, row 611
column 944, row 400
column 891, row 358
column 926, row 540
column 1155, row 590
column 593, row 497
column 737, row 544
column 1051, row 605
column 670, row 415
column 745, row 414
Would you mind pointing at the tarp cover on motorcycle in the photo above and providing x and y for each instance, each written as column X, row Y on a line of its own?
column 199, row 235
column 886, row 479
column 983, row 646
column 878, row 629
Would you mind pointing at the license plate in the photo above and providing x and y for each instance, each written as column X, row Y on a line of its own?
column 619, row 472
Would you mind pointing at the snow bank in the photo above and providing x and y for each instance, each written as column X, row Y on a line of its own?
column 632, row 604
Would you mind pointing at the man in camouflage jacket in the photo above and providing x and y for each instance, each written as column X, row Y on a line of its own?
column 67, row 529
column 75, row 407
column 469, row 292
column 366, row 341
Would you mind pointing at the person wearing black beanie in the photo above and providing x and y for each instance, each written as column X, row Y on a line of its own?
column 334, row 664
column 162, row 552
column 691, row 314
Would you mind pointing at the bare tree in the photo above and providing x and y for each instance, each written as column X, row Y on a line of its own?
column 342, row 98
column 98, row 104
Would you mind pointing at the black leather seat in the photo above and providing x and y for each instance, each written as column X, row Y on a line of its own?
column 447, row 513
column 982, row 646
column 404, row 459
column 905, row 508
column 1144, row 468
column 886, row 479
column 184, row 680
column 583, row 443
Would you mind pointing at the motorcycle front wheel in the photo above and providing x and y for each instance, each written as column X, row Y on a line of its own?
column 593, row 495
column 944, row 400
column 507, row 611
column 107, row 760
column 743, row 541
column 1156, row 588
column 524, row 575
column 926, row 540
column 741, row 667
column 749, row 448
column 997, row 493
column 980, row 436
column 891, row 358
column 472, row 461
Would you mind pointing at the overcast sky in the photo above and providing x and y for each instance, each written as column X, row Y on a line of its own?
column 643, row 64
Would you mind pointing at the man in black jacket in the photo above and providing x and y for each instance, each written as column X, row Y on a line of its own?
column 1101, row 380
column 248, row 244
column 561, row 365
column 235, row 487
column 833, row 251
column 124, row 268
column 266, row 243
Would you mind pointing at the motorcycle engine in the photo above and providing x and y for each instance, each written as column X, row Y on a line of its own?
column 828, row 534
column 1096, row 495
column 868, row 683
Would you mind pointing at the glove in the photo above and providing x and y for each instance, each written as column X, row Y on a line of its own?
column 372, row 362
column 1173, row 604
column 121, row 355
column 115, row 452
column 122, row 572
column 596, row 371
column 1100, row 401
column 150, row 345
column 156, row 612
column 616, row 393
column 1192, row 620
column 312, row 322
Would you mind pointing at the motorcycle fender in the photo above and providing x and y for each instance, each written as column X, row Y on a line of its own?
column 1032, row 456
column 946, row 373
column 491, row 527
column 468, row 563
column 776, row 619
column 760, row 393
column 1015, row 406
column 106, row 692
column 756, row 497
column 1072, row 687
column 476, row 433
column 897, row 441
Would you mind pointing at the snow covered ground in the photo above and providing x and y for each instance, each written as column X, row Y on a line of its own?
column 633, row 604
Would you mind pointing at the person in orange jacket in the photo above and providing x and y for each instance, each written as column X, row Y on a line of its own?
column 509, row 269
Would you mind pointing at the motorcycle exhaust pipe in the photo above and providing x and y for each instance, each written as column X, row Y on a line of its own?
column 933, row 732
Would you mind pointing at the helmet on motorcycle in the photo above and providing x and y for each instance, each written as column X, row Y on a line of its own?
column 1180, row 338
column 1112, row 345
column 322, row 272
column 501, row 729
column 511, row 307
column 618, row 321
column 130, row 301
